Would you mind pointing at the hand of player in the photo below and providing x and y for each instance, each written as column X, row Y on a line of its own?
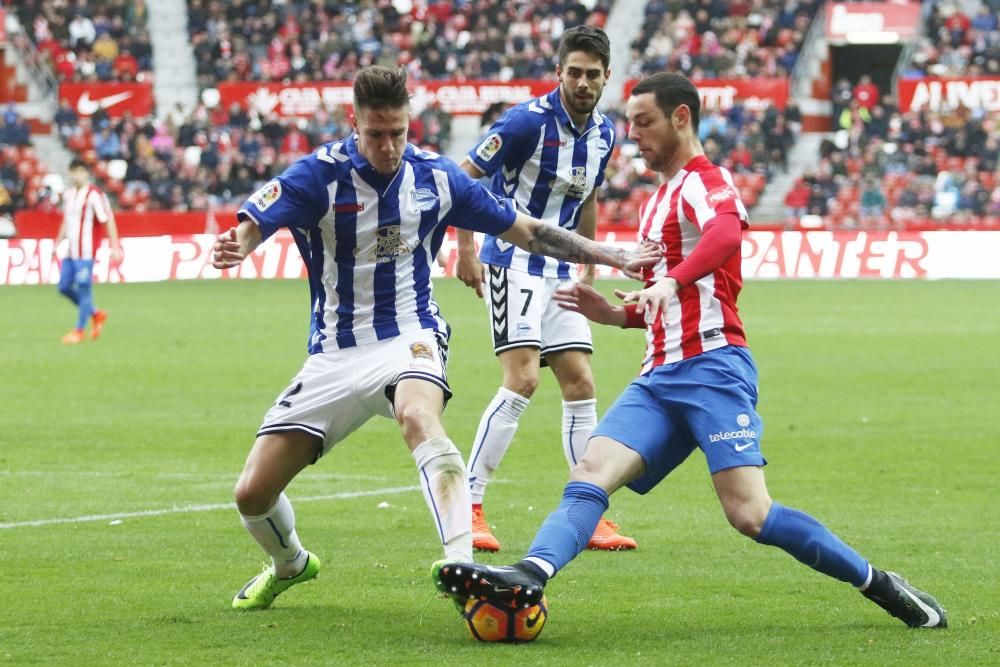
column 226, row 252
column 590, row 303
column 652, row 300
column 470, row 271
column 117, row 256
column 646, row 254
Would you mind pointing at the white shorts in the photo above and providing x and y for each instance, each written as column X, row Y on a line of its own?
column 338, row 391
column 523, row 314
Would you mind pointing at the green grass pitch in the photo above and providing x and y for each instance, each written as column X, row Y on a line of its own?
column 879, row 401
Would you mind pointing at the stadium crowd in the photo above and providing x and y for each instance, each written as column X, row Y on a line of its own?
column 18, row 164
column 261, row 40
column 957, row 43
column 714, row 39
column 887, row 169
column 92, row 40
column 210, row 158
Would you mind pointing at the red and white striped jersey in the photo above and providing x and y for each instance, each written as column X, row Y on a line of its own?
column 702, row 316
column 81, row 208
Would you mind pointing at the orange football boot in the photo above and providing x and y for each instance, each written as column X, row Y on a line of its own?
column 607, row 538
column 482, row 537
column 73, row 337
column 97, row 320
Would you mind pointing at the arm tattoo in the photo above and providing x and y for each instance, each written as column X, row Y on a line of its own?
column 565, row 245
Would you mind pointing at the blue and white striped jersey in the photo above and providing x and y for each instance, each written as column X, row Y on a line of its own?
column 537, row 157
column 369, row 241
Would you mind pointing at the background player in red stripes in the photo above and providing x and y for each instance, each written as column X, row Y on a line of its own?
column 84, row 207
column 697, row 388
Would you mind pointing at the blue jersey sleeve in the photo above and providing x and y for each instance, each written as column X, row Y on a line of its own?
column 293, row 199
column 504, row 142
column 476, row 208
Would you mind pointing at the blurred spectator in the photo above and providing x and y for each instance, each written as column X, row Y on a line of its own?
column 65, row 119
column 872, row 200
column 797, row 199
column 81, row 31
column 866, row 93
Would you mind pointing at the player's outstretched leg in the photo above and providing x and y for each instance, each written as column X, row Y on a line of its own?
column 259, row 592
column 521, row 584
column 813, row 544
column 900, row 599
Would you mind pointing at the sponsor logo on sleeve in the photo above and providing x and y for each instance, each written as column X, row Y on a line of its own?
column 267, row 195
column 489, row 148
column 720, row 195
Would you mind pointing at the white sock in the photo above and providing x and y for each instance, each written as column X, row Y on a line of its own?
column 548, row 568
column 579, row 420
column 275, row 533
column 444, row 481
column 868, row 580
column 496, row 430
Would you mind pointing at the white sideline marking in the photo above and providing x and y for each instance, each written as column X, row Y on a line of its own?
column 314, row 476
column 201, row 508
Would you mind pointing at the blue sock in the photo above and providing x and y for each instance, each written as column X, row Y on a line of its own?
column 812, row 543
column 567, row 530
column 86, row 304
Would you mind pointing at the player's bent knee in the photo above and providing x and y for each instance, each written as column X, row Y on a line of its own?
column 579, row 389
column 522, row 384
column 747, row 518
column 251, row 498
column 585, row 470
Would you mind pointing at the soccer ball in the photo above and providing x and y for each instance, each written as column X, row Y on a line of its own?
column 499, row 622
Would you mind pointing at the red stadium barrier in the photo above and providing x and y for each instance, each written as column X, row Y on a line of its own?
column 937, row 94
column 114, row 98
column 723, row 94
column 38, row 225
column 922, row 255
column 305, row 99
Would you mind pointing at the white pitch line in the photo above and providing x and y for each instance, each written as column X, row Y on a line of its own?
column 201, row 508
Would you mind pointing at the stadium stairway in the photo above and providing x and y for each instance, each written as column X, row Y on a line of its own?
column 173, row 57
column 771, row 205
column 623, row 26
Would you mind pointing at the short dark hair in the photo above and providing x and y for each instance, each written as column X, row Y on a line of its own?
column 671, row 91
column 378, row 87
column 588, row 39
column 77, row 163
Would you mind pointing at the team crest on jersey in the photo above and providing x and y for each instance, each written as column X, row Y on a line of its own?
column 389, row 245
column 421, row 351
column 719, row 195
column 423, row 199
column 489, row 148
column 577, row 186
column 267, row 195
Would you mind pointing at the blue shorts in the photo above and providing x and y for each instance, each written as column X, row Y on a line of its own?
column 708, row 401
